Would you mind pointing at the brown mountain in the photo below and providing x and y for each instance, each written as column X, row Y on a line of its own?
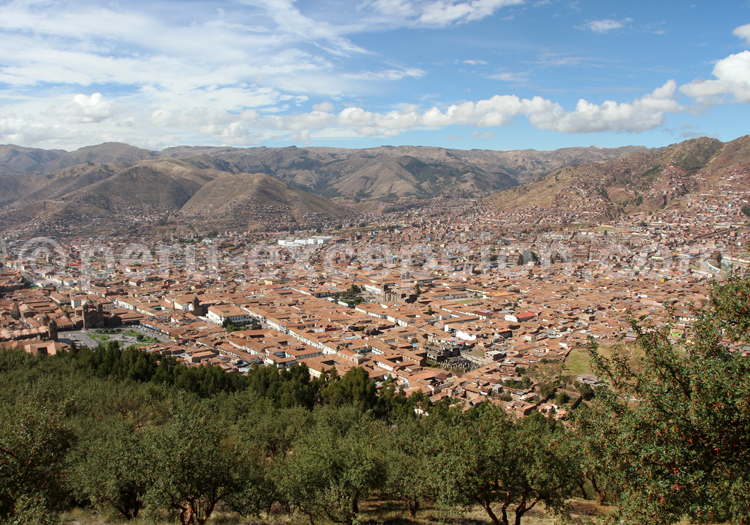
column 17, row 159
column 639, row 182
column 386, row 173
column 252, row 200
column 157, row 188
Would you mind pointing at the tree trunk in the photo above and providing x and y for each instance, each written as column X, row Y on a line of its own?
column 520, row 510
column 601, row 494
column 355, row 503
column 186, row 515
column 491, row 514
column 505, row 508
column 207, row 511
column 486, row 503
column 582, row 487
column 413, row 505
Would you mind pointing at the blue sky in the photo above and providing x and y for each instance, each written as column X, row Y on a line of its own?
column 488, row 74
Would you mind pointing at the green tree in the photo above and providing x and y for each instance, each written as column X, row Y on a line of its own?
column 354, row 388
column 193, row 467
column 408, row 467
column 110, row 467
column 677, row 428
column 494, row 459
column 33, row 443
column 334, row 465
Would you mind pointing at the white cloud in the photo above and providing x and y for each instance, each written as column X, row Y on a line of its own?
column 386, row 74
column 324, row 106
column 510, row 77
column 732, row 82
column 453, row 138
column 743, row 32
column 244, row 80
column 486, row 135
column 83, row 109
column 606, row 25
column 440, row 13
column 642, row 114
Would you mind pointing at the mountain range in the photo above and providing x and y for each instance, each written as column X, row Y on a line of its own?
column 642, row 182
column 261, row 187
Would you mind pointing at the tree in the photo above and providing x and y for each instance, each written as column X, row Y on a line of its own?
column 110, row 467
column 262, row 441
column 562, row 398
column 193, row 468
column 354, row 388
column 494, row 459
column 677, row 429
column 408, row 467
column 33, row 445
column 338, row 462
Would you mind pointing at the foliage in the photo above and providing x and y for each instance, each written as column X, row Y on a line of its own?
column 336, row 463
column 355, row 389
column 192, row 466
column 484, row 457
column 408, row 467
column 110, row 468
column 33, row 443
column 675, row 434
column 31, row 510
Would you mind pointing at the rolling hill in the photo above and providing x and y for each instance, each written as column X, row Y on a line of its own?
column 150, row 190
column 639, row 182
column 386, row 173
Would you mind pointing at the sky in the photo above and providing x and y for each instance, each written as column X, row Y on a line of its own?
column 484, row 74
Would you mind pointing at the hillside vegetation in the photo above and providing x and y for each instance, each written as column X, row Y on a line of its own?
column 139, row 435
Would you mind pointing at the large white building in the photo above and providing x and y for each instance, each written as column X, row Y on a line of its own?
column 223, row 313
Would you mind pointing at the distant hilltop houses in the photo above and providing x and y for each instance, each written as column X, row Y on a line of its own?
column 309, row 241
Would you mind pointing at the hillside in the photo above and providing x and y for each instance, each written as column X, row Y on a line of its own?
column 251, row 200
column 100, row 196
column 389, row 173
column 639, row 182
column 386, row 173
column 95, row 187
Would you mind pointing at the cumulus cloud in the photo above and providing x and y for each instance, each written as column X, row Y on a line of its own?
column 83, row 109
column 743, row 32
column 324, row 106
column 441, row 13
column 642, row 114
column 606, row 25
column 475, row 62
column 732, row 83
